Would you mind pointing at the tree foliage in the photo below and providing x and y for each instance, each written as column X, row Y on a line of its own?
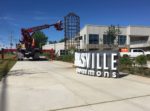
column 40, row 39
column 63, row 40
column 52, row 42
column 112, row 33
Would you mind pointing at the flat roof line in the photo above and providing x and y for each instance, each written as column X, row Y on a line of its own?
column 119, row 26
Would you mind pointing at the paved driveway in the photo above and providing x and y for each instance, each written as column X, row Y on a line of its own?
column 54, row 86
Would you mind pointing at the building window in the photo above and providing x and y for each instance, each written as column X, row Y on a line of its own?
column 138, row 39
column 63, row 52
column 122, row 39
column 106, row 39
column 93, row 39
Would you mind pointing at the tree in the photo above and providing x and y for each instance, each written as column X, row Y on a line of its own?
column 111, row 34
column 40, row 39
column 62, row 40
column 52, row 42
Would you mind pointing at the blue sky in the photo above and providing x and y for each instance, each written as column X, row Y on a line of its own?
column 17, row 14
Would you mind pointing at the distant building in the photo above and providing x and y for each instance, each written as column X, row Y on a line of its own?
column 58, row 47
column 93, row 37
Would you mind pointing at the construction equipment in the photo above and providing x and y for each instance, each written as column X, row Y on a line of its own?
column 26, row 47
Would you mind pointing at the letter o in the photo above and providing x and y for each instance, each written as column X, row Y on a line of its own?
column 98, row 73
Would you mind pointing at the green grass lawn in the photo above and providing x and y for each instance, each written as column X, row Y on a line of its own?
column 6, row 65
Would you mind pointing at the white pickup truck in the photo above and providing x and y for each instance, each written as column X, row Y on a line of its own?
column 135, row 53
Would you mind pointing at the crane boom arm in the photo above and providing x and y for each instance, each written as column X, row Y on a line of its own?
column 34, row 29
column 27, row 33
column 57, row 25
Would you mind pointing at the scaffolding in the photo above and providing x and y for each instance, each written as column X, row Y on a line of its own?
column 71, row 29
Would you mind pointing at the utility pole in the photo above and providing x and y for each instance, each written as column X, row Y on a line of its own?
column 117, row 38
column 11, row 38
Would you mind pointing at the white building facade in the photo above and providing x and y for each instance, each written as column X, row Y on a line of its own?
column 58, row 47
column 93, row 37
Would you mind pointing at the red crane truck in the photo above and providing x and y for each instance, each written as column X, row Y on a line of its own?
column 26, row 47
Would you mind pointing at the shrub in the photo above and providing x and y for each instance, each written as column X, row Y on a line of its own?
column 147, row 73
column 125, row 64
column 148, row 57
column 125, row 56
column 126, row 61
column 46, row 54
column 141, row 60
column 129, row 65
column 68, row 58
column 58, row 58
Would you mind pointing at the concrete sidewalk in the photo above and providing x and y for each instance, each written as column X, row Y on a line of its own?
column 54, row 86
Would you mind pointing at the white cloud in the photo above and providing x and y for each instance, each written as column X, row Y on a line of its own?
column 6, row 18
column 41, row 18
column 45, row 18
column 9, row 20
column 13, row 23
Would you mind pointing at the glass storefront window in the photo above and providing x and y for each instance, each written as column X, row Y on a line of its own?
column 93, row 39
column 122, row 39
